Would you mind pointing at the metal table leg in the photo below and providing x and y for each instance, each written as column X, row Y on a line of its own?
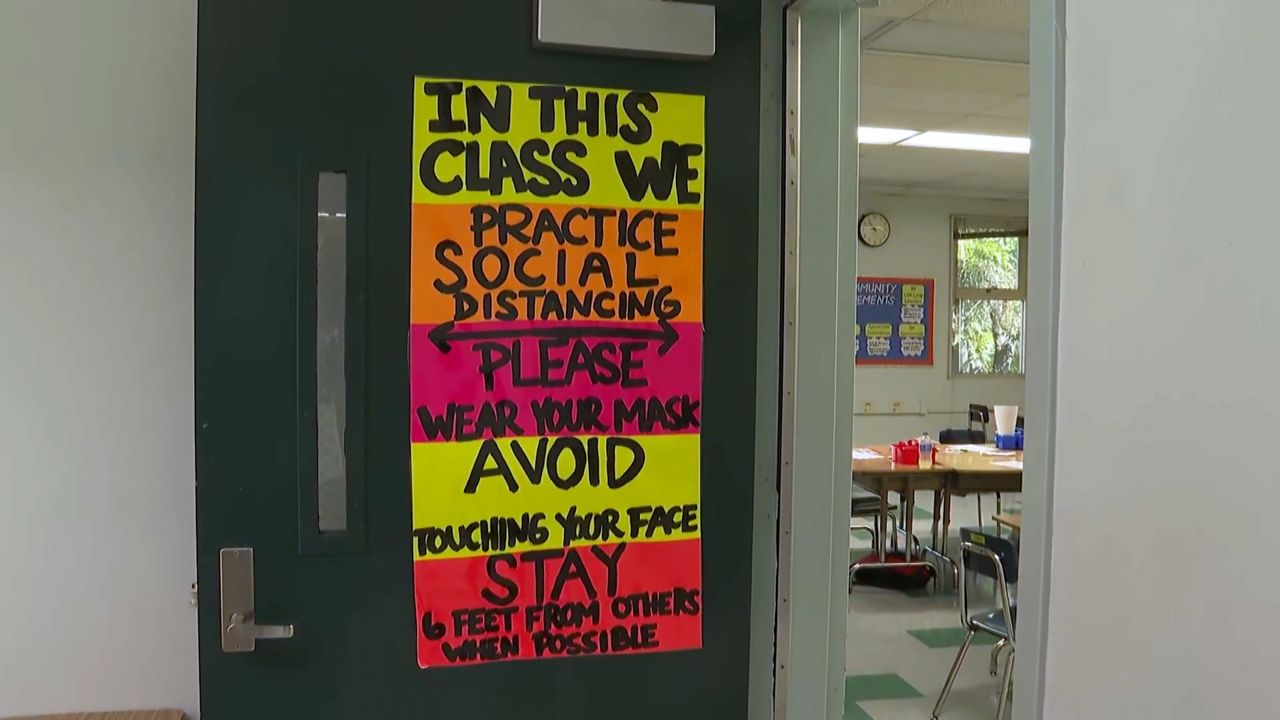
column 883, row 519
column 908, row 521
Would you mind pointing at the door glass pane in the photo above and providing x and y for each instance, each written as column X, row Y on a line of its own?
column 331, row 344
column 988, row 336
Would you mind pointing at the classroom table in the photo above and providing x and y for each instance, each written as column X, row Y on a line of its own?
column 1010, row 520
column 956, row 471
column 976, row 472
column 883, row 476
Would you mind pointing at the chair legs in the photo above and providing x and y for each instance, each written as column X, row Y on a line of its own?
column 1006, row 684
column 995, row 656
column 951, row 676
column 1006, row 687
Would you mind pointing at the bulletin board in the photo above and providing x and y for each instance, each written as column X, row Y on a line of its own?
column 895, row 321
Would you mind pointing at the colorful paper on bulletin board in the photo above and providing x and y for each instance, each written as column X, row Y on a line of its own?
column 555, row 363
column 895, row 321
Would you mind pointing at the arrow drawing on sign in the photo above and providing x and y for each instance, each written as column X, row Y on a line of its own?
column 444, row 333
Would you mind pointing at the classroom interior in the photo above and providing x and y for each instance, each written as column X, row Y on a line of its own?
column 943, row 189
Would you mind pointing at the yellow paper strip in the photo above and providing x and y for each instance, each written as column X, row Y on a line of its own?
column 472, row 498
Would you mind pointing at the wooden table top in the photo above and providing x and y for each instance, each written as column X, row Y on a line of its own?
column 949, row 460
column 884, row 465
column 1008, row 520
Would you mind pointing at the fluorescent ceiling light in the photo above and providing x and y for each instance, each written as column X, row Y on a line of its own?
column 883, row 136
column 967, row 141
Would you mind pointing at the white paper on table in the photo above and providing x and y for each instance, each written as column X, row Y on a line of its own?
column 1015, row 464
column 865, row 454
column 983, row 450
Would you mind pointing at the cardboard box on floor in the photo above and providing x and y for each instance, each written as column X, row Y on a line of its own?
column 127, row 715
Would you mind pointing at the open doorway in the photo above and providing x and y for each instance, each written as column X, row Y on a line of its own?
column 942, row 329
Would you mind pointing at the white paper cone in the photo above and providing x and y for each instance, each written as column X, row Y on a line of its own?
column 1006, row 419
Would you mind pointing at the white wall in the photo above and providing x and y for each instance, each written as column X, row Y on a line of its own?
column 97, row 544
column 920, row 246
column 1164, row 591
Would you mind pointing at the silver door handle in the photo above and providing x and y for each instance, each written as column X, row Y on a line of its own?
column 240, row 632
column 246, row 628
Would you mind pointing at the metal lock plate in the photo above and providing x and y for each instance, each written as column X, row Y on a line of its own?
column 240, row 632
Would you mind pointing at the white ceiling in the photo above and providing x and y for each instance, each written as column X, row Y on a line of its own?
column 958, row 65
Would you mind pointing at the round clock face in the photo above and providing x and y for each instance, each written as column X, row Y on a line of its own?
column 873, row 229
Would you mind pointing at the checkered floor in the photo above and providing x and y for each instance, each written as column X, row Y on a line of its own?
column 901, row 645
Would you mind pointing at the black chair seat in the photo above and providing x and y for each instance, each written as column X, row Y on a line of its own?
column 993, row 622
column 864, row 502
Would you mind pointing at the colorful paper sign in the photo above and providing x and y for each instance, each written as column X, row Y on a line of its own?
column 895, row 321
column 555, row 363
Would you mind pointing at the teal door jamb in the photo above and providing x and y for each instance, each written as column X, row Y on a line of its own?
column 821, row 211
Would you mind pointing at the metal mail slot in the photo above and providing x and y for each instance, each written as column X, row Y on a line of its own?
column 645, row 28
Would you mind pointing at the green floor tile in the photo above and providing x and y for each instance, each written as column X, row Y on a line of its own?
column 951, row 637
column 890, row 686
column 920, row 513
column 853, row 712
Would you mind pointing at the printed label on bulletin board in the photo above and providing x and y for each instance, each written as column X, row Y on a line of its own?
column 555, row 359
column 895, row 321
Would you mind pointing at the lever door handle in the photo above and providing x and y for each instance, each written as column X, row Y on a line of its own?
column 240, row 631
column 247, row 628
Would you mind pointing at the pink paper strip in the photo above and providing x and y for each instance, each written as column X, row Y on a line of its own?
column 665, row 396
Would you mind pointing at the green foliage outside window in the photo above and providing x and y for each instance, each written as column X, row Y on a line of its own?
column 987, row 332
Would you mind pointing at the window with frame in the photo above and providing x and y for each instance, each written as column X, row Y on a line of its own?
column 988, row 295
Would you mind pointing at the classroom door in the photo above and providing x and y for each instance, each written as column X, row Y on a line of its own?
column 312, row 120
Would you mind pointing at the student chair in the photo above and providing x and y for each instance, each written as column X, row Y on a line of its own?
column 980, row 414
column 992, row 557
column 866, row 505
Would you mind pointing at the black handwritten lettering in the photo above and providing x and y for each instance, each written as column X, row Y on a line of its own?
column 659, row 175
column 576, row 181
column 576, row 415
column 546, row 96
column 557, row 616
column 567, row 462
column 445, row 251
column 658, row 603
column 610, row 561
column 431, row 180
column 495, row 112
column 585, row 113
column 483, row 621
column 614, row 639
column 443, row 92
column 558, row 361
column 675, row 414
column 480, row 469
column 649, row 521
column 508, row 588
column 463, row 422
column 634, row 280
column 638, row 106
column 490, row 648
column 598, row 527
column 491, row 534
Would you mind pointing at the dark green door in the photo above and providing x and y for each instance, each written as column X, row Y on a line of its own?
column 304, row 142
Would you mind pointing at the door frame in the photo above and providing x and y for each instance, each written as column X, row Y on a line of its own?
column 813, row 471
column 1048, row 133
column 764, row 537
column 818, row 303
